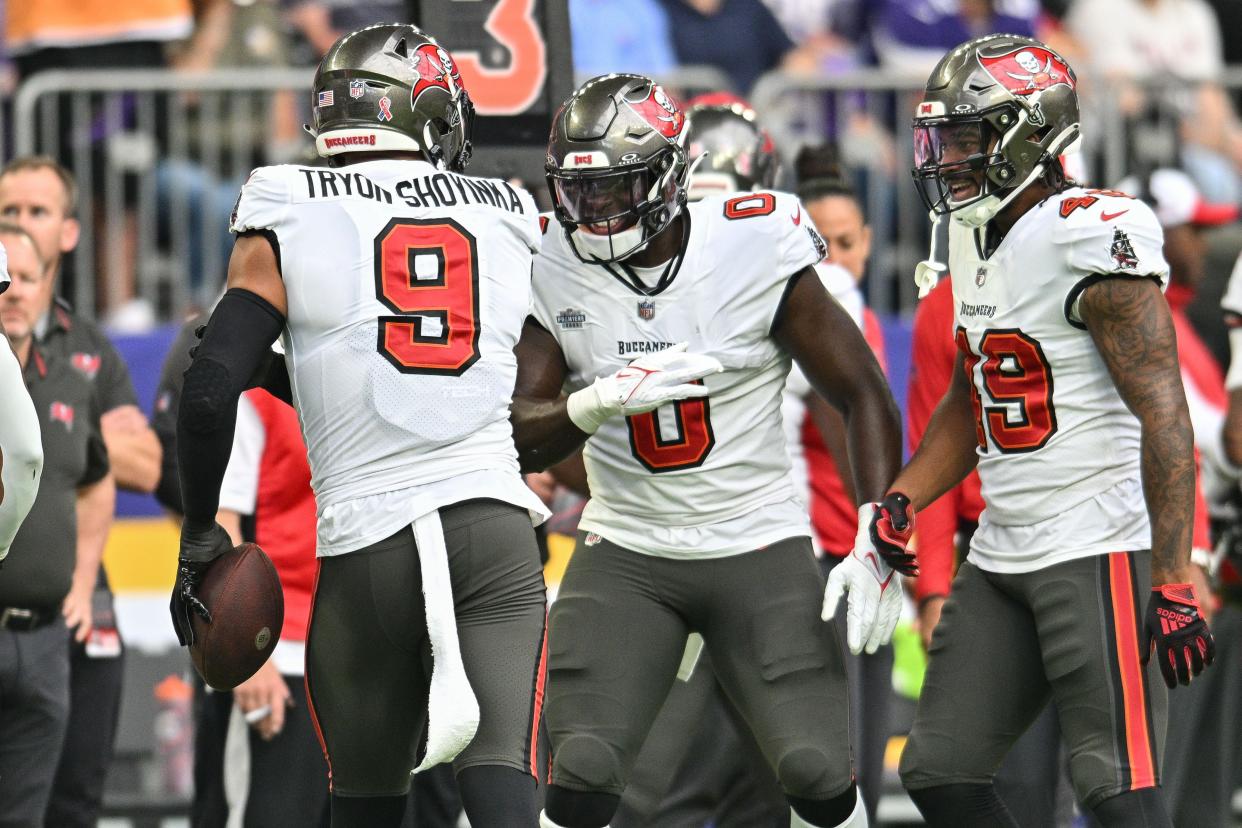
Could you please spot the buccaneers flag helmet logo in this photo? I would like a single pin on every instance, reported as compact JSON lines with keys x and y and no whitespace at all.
{"x":659,"y":110}
{"x":435,"y":69}
{"x":1028,"y":69}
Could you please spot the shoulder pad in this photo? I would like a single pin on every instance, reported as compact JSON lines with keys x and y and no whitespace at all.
{"x":263,"y":200}
{"x":1103,"y":231}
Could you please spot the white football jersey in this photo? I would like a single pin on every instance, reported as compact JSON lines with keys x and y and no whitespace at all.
{"x":1058,"y":449}
{"x":407,"y":289}
{"x":841,"y":285}
{"x":696,"y":477}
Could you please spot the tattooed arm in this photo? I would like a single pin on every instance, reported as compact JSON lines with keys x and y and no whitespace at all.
{"x":1130,"y":322}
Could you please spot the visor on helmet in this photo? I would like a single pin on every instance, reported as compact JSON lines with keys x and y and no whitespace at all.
{"x":601,"y":202}
{"x":952,"y":161}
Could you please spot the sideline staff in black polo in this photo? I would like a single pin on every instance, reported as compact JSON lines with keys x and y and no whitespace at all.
{"x":21,"y":451}
{"x":61,"y":542}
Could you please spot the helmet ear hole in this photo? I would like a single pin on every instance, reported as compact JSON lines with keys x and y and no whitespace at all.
{"x":400,"y":49}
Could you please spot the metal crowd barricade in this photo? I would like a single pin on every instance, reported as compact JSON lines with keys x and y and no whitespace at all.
{"x":867,"y":114}
{"x":159,"y":157}
{"x":1117,"y":143}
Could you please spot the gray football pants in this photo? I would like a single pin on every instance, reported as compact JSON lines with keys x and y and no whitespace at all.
{"x":368,"y":659}
{"x":1006,"y":644}
{"x":616,"y":635}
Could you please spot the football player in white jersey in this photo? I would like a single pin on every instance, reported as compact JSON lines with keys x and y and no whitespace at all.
{"x":399,"y":288}
{"x":1069,"y":401}
{"x":694,"y":523}
{"x":21,"y":447}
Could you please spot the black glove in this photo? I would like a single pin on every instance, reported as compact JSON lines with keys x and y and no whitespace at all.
{"x":199,"y":549}
{"x":1182,"y":640}
{"x":892,"y":527}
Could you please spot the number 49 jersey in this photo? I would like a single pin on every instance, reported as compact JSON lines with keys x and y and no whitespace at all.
{"x":407,"y":291}
{"x":696,"y":477}
{"x":1058,"y":449}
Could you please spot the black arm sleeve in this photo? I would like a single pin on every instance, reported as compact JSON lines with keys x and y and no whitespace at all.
{"x":241,"y":331}
{"x":164,"y":420}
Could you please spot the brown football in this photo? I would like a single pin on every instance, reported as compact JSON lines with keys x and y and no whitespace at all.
{"x":242,"y":591}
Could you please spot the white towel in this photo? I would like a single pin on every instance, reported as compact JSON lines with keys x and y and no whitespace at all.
{"x":690,"y":656}
{"x":452,"y":709}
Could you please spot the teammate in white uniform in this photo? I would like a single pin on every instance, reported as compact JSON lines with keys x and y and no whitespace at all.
{"x":21,"y":447}
{"x":399,"y":286}
{"x":694,"y":522}
{"x":1069,"y":400}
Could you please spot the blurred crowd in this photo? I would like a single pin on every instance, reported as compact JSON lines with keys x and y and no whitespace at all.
{"x":1155,"y":70}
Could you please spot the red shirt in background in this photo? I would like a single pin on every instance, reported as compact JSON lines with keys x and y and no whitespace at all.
{"x":284,"y":513}
{"x":932,"y":359}
{"x":834,"y":516}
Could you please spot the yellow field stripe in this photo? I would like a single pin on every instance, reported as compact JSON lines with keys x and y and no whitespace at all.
{"x":141,"y":555}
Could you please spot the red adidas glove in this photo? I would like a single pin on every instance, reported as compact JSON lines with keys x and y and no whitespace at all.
{"x":892,"y":527}
{"x":1181,"y":637}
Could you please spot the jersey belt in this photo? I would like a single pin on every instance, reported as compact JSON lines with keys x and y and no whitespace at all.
{"x":452,"y":709}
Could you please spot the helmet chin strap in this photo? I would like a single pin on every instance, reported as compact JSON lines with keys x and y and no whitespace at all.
{"x":694,"y":165}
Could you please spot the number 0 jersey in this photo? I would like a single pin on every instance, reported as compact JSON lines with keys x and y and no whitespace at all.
{"x":407,"y":291}
{"x":1058,"y":449}
{"x":696,"y":477}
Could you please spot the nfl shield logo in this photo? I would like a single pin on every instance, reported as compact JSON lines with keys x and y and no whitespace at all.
{"x":357,"y":89}
{"x":646,"y":310}
{"x":981,"y":276}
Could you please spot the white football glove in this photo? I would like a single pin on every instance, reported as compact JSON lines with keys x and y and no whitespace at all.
{"x":646,"y":383}
{"x":874,"y":603}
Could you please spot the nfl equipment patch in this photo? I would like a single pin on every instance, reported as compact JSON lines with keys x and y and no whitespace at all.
{"x":357,"y":89}
{"x":646,"y":310}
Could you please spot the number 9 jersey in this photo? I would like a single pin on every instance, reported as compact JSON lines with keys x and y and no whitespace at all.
{"x":700,"y":477}
{"x":1058,"y":449}
{"x":407,"y":289}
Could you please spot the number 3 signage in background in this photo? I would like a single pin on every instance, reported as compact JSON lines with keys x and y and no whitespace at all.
{"x":510,"y":89}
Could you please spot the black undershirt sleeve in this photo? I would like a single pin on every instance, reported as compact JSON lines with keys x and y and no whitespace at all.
{"x":237,"y":340}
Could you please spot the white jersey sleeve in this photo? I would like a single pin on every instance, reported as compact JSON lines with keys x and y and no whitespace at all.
{"x":1231,"y":307}
{"x":1118,"y":236}
{"x":1231,"y":302}
{"x":264,"y":200}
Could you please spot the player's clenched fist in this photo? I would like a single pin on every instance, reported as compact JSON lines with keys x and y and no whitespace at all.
{"x":890,"y":528}
{"x":645,"y":384}
{"x":1173,"y":625}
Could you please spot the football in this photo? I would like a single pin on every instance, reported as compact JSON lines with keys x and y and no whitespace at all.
{"x":242,"y":591}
